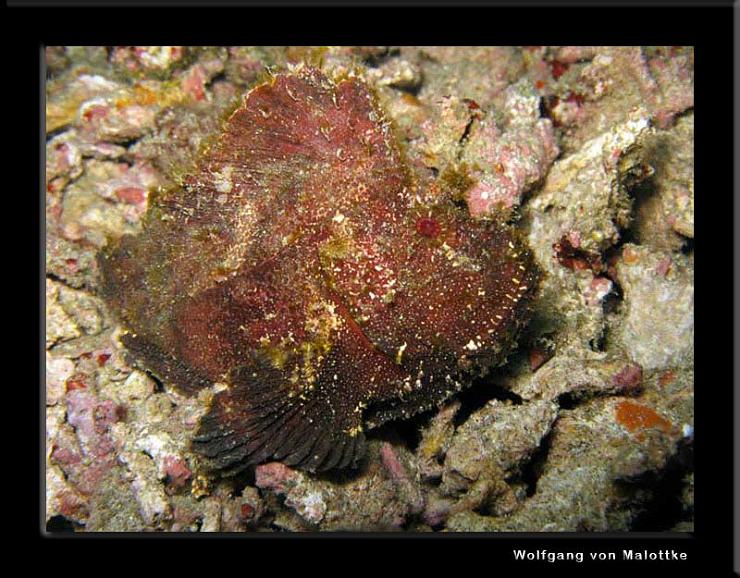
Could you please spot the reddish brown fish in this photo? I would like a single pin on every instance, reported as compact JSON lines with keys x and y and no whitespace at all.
{"x":298,"y":266}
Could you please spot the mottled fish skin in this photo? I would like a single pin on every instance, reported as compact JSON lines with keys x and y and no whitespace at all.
{"x":298,"y":266}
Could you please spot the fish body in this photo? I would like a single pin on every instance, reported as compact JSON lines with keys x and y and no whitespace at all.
{"x":298,"y":266}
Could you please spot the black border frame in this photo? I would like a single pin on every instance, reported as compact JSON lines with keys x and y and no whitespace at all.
{"x":709,"y":29}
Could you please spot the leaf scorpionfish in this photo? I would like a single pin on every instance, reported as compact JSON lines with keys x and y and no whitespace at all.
{"x":299,"y":267}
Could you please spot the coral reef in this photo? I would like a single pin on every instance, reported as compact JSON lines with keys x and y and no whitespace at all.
{"x":587,"y":151}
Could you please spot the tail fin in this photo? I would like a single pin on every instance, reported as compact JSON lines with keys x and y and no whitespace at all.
{"x":256,"y":420}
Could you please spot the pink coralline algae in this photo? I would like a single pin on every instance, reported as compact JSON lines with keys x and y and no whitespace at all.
{"x":507,"y":162}
{"x":177,"y":471}
{"x":629,"y":377}
{"x":298,"y":266}
{"x":86,"y":450}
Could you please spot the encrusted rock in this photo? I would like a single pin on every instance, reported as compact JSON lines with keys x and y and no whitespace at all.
{"x":657,"y":286}
{"x":591,"y":450}
{"x":501,"y":435}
